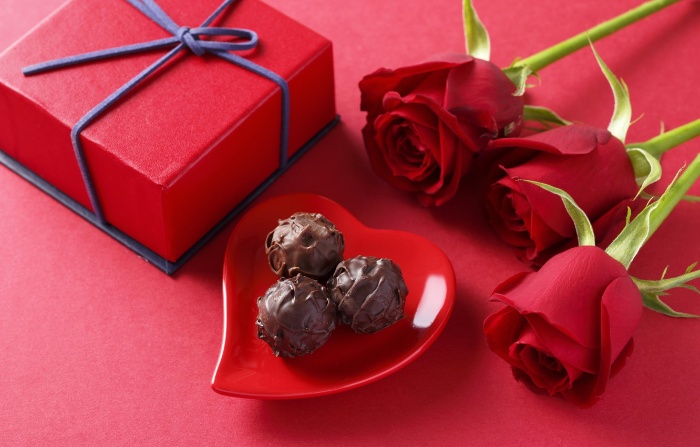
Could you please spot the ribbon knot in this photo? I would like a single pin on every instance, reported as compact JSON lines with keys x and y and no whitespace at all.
{"x":185,"y":36}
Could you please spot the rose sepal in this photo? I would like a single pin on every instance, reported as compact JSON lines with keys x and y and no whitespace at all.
{"x":645,"y":156}
{"x":626,"y":245}
{"x":544,"y":116}
{"x":584,"y":229}
{"x":519,"y":73}
{"x":652,"y":291}
{"x":647,"y":168}
{"x":477,"y":38}
{"x":622,"y":113}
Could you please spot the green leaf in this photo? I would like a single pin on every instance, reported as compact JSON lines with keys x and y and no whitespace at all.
{"x":647,"y":168}
{"x":544,"y":116}
{"x":654,"y":303}
{"x":477,"y":38}
{"x":622,"y":114}
{"x":693,"y":199}
{"x":518,"y":74}
{"x":584,"y":229}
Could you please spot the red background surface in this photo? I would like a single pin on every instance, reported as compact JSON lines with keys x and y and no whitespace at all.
{"x":97,"y":347}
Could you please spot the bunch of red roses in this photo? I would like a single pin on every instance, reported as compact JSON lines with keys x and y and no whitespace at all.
{"x":546,"y":192}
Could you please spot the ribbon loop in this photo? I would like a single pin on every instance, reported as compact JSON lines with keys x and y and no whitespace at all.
{"x":246,"y":39}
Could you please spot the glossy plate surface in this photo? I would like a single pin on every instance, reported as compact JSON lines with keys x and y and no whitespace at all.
{"x":247,"y":367}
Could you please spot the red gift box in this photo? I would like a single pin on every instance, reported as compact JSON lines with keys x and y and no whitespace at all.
{"x":190,"y":143}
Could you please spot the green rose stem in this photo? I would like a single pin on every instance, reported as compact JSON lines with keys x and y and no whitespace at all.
{"x":552,"y":54}
{"x":668,"y":140}
{"x":673,"y":195}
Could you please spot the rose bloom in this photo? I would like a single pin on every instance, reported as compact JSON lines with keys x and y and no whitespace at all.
{"x":588,"y":163}
{"x":567,"y":328}
{"x":425,"y":122}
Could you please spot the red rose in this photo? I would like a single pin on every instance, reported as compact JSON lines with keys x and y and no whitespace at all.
{"x":425,"y":122}
{"x":588,"y":163}
{"x":567,"y":328}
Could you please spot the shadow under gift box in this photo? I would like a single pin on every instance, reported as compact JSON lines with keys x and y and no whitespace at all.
{"x":190,"y":143}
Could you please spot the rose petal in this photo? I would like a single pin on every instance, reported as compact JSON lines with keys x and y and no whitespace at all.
{"x":466,"y":136}
{"x":621,"y":310}
{"x":489,"y":90}
{"x":508,"y":223}
{"x":581,"y":273}
{"x":522,"y":377}
{"x":406,"y":146}
{"x":622,"y":358}
{"x":542,"y":375}
{"x":401,"y":80}
{"x":622,"y":305}
{"x":431,"y":86}
{"x":575,"y":139}
{"x":576,"y":357}
{"x":502,"y":329}
{"x":414,"y":112}
{"x":554,"y":222}
{"x":430,"y":160}
{"x":551,"y":381}
{"x":582,"y":393}
{"x":379,"y":165}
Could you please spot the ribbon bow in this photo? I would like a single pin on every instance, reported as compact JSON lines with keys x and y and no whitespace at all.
{"x":183,"y":38}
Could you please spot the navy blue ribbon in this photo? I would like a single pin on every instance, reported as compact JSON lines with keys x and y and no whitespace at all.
{"x":183,"y":38}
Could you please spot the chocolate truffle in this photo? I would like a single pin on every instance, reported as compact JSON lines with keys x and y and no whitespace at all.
{"x":295,"y":316}
{"x":370,"y":293}
{"x":305,"y":243}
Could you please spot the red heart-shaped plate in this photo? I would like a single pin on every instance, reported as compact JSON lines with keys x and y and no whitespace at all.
{"x":247,"y":367}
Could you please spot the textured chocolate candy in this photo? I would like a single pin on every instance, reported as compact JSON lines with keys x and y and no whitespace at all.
{"x":305,"y":243}
{"x":370,"y":293}
{"x":295,"y":316}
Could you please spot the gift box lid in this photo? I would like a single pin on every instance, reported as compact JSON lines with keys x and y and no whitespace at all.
{"x":216,"y":89}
